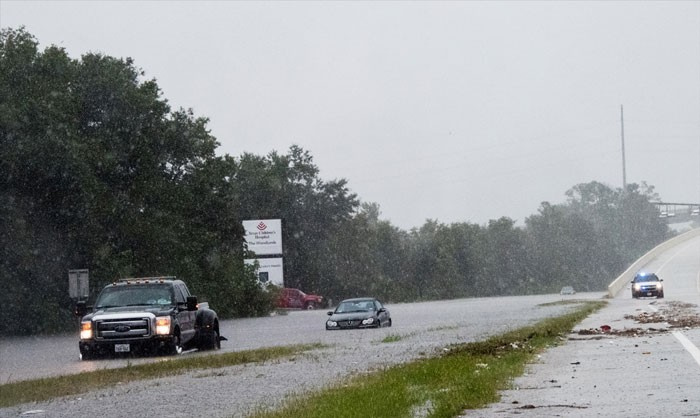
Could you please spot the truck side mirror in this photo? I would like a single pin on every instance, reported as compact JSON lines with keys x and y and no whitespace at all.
{"x":80,"y":309}
{"x":191,"y":303}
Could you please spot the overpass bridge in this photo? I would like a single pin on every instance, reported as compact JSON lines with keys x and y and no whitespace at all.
{"x":678,"y":212}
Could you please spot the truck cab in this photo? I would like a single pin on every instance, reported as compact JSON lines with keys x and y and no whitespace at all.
{"x":146,"y":315}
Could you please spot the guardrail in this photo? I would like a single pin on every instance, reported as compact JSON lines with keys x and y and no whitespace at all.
{"x":626,"y":277}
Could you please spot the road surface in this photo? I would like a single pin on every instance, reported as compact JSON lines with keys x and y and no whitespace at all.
{"x":635,"y":370}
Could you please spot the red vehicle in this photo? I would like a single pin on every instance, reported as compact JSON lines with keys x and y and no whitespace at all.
{"x":296,"y":299}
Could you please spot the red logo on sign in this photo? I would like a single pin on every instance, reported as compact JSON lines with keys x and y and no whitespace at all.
{"x":262,"y":226}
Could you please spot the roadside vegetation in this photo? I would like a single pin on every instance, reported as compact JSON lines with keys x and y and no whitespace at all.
{"x":392,"y":338}
{"x":467,"y":376}
{"x":38,"y":390}
{"x":100,"y":173}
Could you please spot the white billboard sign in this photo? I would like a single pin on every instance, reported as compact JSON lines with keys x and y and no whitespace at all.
{"x":270,"y":270}
{"x":264,"y":236}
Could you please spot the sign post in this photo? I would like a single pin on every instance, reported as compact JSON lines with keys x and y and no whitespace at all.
{"x":79,"y":284}
{"x":264,"y":238}
{"x":269,"y":270}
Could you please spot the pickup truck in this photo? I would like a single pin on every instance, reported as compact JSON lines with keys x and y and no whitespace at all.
{"x":148,"y":315}
{"x":296,"y":299}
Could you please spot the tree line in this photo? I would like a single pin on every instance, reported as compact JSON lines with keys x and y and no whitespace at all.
{"x":99,"y":172}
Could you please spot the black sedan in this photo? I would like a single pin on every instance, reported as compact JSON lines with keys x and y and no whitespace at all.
{"x":359,"y":313}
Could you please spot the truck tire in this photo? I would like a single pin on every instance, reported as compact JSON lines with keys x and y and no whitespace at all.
{"x":210,"y":340}
{"x":87,"y":355}
{"x":174,"y":347}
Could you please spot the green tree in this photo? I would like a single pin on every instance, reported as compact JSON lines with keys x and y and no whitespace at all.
{"x":505,"y":258}
{"x":560,"y":246}
{"x":313,"y":211}
{"x":101,"y":174}
{"x":626,"y":222}
{"x":591,"y":239}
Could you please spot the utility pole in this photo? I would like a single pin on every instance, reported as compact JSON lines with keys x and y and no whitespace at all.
{"x":622,"y":136}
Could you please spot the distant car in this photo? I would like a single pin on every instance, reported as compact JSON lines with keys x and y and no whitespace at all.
{"x":647,"y":284}
{"x":567,"y":290}
{"x":296,"y":299}
{"x":359,"y":313}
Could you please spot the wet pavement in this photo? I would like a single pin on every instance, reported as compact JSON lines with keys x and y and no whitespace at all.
{"x":633,"y":358}
{"x":632,"y":370}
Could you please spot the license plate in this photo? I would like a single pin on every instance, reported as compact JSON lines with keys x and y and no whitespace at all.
{"x":648,"y":293}
{"x":122,"y":348}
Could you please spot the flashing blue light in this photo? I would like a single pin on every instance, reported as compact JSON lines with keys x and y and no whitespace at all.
{"x":642,"y":273}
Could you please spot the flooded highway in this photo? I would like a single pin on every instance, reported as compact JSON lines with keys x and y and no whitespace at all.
{"x":35,"y":357}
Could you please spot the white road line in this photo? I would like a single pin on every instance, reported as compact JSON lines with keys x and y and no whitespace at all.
{"x":690,"y":347}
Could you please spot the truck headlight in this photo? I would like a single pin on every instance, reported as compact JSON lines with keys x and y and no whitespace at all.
{"x":86,"y":330}
{"x":163,"y":325}
{"x":636,"y":286}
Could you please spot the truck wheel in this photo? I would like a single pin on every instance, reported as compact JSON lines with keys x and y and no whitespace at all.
{"x":175,"y":346}
{"x":210,"y":340}
{"x":86,"y":355}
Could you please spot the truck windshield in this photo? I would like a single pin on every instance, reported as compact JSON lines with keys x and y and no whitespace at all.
{"x":134,"y":296}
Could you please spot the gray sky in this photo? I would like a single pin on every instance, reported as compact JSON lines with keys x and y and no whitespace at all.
{"x":455,"y":111}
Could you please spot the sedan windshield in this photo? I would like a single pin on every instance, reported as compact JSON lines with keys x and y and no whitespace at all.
{"x":361,"y":306}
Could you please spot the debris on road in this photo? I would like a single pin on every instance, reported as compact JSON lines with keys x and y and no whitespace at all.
{"x":675,"y":314}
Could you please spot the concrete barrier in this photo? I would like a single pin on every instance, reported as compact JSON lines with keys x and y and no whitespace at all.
{"x":626,"y":277}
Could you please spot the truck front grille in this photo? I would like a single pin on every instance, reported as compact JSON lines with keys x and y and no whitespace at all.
{"x":109,"y":329}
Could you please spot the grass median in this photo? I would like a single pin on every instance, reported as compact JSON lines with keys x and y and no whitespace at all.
{"x":467,"y":376}
{"x":37,"y":390}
